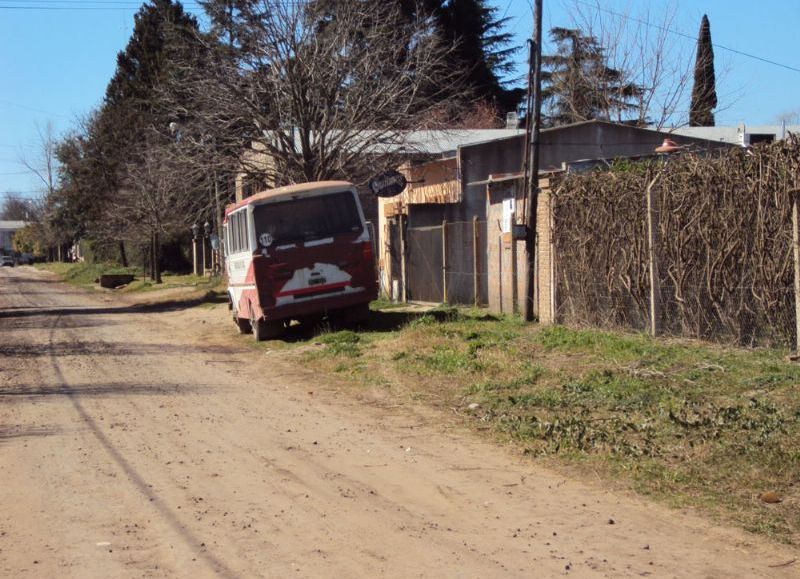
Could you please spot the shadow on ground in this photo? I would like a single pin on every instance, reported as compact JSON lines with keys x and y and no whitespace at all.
{"x":380,"y":321}
{"x":22,"y":391}
{"x":166,"y":306}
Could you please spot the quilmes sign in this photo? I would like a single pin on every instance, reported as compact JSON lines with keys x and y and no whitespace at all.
{"x":387,"y":184}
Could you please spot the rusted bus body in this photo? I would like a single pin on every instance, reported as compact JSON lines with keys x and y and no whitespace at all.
{"x":298,"y":253}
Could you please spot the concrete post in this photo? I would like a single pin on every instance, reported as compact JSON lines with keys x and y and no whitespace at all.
{"x":475,"y":263}
{"x":796,"y":248}
{"x":444,"y":261}
{"x":652,"y":240}
{"x":195,"y":258}
{"x":205,"y":262}
{"x":403,"y":257}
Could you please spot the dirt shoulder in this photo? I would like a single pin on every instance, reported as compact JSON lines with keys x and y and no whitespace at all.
{"x":159,"y":443}
{"x":688,"y":423}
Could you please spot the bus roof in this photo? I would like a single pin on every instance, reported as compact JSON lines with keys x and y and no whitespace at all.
{"x":297,"y":190}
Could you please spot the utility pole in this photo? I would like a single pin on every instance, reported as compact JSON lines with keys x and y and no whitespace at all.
{"x":531,"y":177}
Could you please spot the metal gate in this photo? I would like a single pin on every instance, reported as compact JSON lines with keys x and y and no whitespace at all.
{"x":425,"y":264}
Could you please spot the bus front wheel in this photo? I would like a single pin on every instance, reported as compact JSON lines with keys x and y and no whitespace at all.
{"x":243,"y":325}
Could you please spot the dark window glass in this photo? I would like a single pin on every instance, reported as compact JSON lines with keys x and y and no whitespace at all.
{"x":239,"y":235}
{"x":243,"y":229}
{"x":308,"y":218}
{"x":761,"y":138}
{"x":234,"y":235}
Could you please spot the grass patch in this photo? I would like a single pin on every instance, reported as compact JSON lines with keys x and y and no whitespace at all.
{"x":684,"y":421}
{"x":85,"y":274}
{"x":343,"y":343}
{"x":82,"y":273}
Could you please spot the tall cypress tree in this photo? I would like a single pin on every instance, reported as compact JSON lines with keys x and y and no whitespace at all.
{"x":704,"y":91}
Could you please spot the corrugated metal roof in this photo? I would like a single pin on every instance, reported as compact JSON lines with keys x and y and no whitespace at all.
{"x":12,"y":224}
{"x":730,"y":134}
{"x":438,"y":142}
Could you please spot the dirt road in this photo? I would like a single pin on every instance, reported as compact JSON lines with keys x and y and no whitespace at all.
{"x":158,"y":444}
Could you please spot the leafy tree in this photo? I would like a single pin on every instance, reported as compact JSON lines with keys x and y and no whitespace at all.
{"x":704,"y":92}
{"x":29,"y":239}
{"x":97,"y":157}
{"x":579,"y":84}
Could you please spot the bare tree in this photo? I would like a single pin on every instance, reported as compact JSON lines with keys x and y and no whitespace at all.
{"x":315,"y":95}
{"x":790,"y":117}
{"x":641,"y":46}
{"x":43,"y":164}
{"x":157,"y":200}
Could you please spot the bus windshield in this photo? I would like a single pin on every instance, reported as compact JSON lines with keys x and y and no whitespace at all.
{"x":308,"y":218}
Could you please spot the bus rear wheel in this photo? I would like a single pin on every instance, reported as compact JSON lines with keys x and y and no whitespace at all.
{"x":264,"y":330}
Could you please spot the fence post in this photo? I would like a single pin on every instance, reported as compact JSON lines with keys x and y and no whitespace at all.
{"x":652,"y":237}
{"x":403,"y":268}
{"x":475,"y":264}
{"x":796,"y":246}
{"x":444,"y":260}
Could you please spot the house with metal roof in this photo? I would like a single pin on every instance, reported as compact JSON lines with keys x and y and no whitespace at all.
{"x":742,"y":135}
{"x":7,"y":231}
{"x":435,"y":237}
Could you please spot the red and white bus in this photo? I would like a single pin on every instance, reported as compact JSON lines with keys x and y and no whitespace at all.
{"x":297,"y":253}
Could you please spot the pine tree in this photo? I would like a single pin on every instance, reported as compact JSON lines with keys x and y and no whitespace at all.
{"x":132,"y":116}
{"x":482,"y":50}
{"x":132,"y":97}
{"x":579,"y":85}
{"x":704,"y":92}
{"x":481,"y":47}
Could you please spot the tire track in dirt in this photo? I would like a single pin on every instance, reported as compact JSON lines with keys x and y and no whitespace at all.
{"x":134,"y":478}
{"x":150,"y":499}
{"x":280,"y":473}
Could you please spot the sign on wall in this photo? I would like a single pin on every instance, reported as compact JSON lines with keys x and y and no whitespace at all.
{"x":509,"y":206}
{"x":388,"y":184}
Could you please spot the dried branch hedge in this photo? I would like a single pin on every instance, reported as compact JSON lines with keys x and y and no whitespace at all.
{"x":723,"y":248}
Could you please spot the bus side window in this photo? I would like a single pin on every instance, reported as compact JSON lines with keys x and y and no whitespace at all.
{"x":246,"y":227}
{"x":243,"y":231}
{"x":235,"y":224}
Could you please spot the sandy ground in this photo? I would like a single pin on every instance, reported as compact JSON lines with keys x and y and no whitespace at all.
{"x":159,"y":444}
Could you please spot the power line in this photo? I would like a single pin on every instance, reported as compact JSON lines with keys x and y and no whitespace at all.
{"x":84,"y":8}
{"x":58,"y":5}
{"x":32,"y":109}
{"x":689,"y":36}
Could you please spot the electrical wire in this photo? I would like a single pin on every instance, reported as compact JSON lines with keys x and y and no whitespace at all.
{"x":688,"y":36}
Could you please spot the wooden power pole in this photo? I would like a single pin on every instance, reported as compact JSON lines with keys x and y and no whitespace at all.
{"x":531,"y":177}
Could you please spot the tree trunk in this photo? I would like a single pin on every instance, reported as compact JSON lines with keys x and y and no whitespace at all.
{"x":152,"y":253}
{"x":123,"y":257}
{"x":156,"y":252}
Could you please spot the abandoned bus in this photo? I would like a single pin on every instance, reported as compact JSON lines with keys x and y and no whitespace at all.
{"x":297,"y":253}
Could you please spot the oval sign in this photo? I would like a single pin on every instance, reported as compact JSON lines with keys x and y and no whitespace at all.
{"x":388,"y":184}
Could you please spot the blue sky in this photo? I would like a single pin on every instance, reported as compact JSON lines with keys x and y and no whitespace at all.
{"x":55,"y":62}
